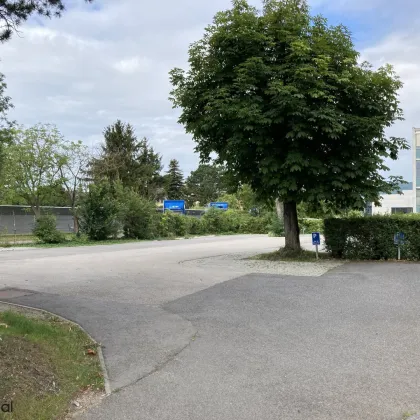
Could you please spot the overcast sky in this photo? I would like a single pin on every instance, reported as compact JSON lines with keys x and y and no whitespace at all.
{"x":111,"y":60}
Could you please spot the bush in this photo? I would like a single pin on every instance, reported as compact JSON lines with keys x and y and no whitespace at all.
{"x":307,"y":225}
{"x":172,"y":224}
{"x":45,"y":229}
{"x":99,"y":212}
{"x":276,"y":226}
{"x":214,"y":221}
{"x":372,"y":237}
{"x":195,"y":225}
{"x":138,"y":217}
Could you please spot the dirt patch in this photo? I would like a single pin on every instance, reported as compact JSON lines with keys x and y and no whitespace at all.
{"x":84,"y":401}
{"x":49,"y":367}
{"x":25,"y":368}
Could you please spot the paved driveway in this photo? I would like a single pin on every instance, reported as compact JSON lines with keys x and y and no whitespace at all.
{"x":185,"y":341}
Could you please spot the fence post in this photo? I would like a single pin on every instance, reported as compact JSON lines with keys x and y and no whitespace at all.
{"x":14,"y":225}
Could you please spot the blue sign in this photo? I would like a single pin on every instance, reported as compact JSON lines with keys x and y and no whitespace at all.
{"x":219,"y":205}
{"x":174,"y":205}
{"x":399,"y":238}
{"x":316,"y":238}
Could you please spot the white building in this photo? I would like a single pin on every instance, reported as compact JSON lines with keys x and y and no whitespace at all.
{"x":409,"y":200}
{"x":416,"y":168}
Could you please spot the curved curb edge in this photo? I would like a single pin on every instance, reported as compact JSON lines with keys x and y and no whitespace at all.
{"x":99,"y":346}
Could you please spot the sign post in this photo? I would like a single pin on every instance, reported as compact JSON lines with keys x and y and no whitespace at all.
{"x":316,"y":240}
{"x":399,"y":239}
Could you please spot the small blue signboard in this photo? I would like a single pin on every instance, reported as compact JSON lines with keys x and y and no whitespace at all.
{"x":316,"y":238}
{"x":399,"y":238}
{"x":219,"y":205}
{"x":177,"y":206}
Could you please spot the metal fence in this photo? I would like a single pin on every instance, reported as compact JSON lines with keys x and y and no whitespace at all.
{"x":20,"y":220}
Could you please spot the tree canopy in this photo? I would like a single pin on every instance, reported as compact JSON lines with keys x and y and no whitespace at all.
{"x":5,"y":124}
{"x":175,"y":181}
{"x":14,"y":12}
{"x":205,"y":184}
{"x":32,"y":165}
{"x":280,"y":97}
{"x":124,"y":158}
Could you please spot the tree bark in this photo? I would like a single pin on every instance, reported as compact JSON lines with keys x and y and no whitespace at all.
{"x":37,"y":211}
{"x":75,"y":225}
{"x":291,"y":226}
{"x":280,"y":209}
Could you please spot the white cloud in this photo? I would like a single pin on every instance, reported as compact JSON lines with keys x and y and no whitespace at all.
{"x":133,"y":64}
{"x":401,"y":50}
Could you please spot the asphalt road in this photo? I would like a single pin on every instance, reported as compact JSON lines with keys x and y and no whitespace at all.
{"x":209,"y":343}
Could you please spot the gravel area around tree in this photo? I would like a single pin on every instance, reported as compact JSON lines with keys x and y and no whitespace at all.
{"x":239,"y":262}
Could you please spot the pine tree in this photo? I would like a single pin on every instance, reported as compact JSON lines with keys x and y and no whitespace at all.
{"x":14,"y":12}
{"x":123,"y":158}
{"x":175,"y":181}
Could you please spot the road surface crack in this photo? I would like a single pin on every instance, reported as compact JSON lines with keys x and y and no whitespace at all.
{"x":160,"y":365}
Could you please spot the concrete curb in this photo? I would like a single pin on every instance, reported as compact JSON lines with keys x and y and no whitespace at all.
{"x":99,"y":346}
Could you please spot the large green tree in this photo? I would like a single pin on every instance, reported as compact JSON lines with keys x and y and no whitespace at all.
{"x":32,"y":165}
{"x":14,"y":12}
{"x":5,"y":124}
{"x":126,"y":159}
{"x":72,"y":171}
{"x":174,"y":181}
{"x":205,"y":184}
{"x":282,"y":100}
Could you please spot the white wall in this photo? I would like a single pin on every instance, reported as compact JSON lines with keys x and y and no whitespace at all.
{"x":407,"y":199}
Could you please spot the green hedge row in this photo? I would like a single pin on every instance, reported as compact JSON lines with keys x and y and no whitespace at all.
{"x":214,"y":221}
{"x":372,"y":238}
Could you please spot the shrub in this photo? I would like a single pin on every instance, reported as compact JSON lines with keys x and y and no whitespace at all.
{"x":99,"y":212}
{"x":45,"y":229}
{"x":307,"y":225}
{"x":195,"y":225}
{"x":275,"y":226}
{"x":214,"y":221}
{"x":138,"y":216}
{"x":172,"y":224}
{"x":372,"y":237}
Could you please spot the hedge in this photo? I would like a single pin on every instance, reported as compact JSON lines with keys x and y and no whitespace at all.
{"x":372,"y":238}
{"x":214,"y":221}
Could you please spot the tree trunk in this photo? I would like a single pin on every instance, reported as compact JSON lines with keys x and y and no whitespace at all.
{"x":37,"y":211}
{"x":75,"y":225}
{"x":291,"y":226}
{"x":280,"y":209}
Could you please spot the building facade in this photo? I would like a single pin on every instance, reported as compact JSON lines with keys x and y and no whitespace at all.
{"x":409,"y":200}
{"x":416,"y":168}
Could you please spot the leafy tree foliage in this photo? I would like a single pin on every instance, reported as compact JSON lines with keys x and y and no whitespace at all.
{"x":45,"y":229}
{"x":175,"y":181}
{"x":280,"y":98}
{"x":32,"y":164}
{"x":205,"y":184}
{"x":124,"y":158}
{"x":138,"y":215}
{"x":5,"y":124}
{"x":72,"y":171}
{"x":99,"y":212}
{"x":14,"y":12}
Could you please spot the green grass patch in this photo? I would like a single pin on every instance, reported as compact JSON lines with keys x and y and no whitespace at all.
{"x":408,"y":414}
{"x":289,"y":255}
{"x":44,"y":365}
